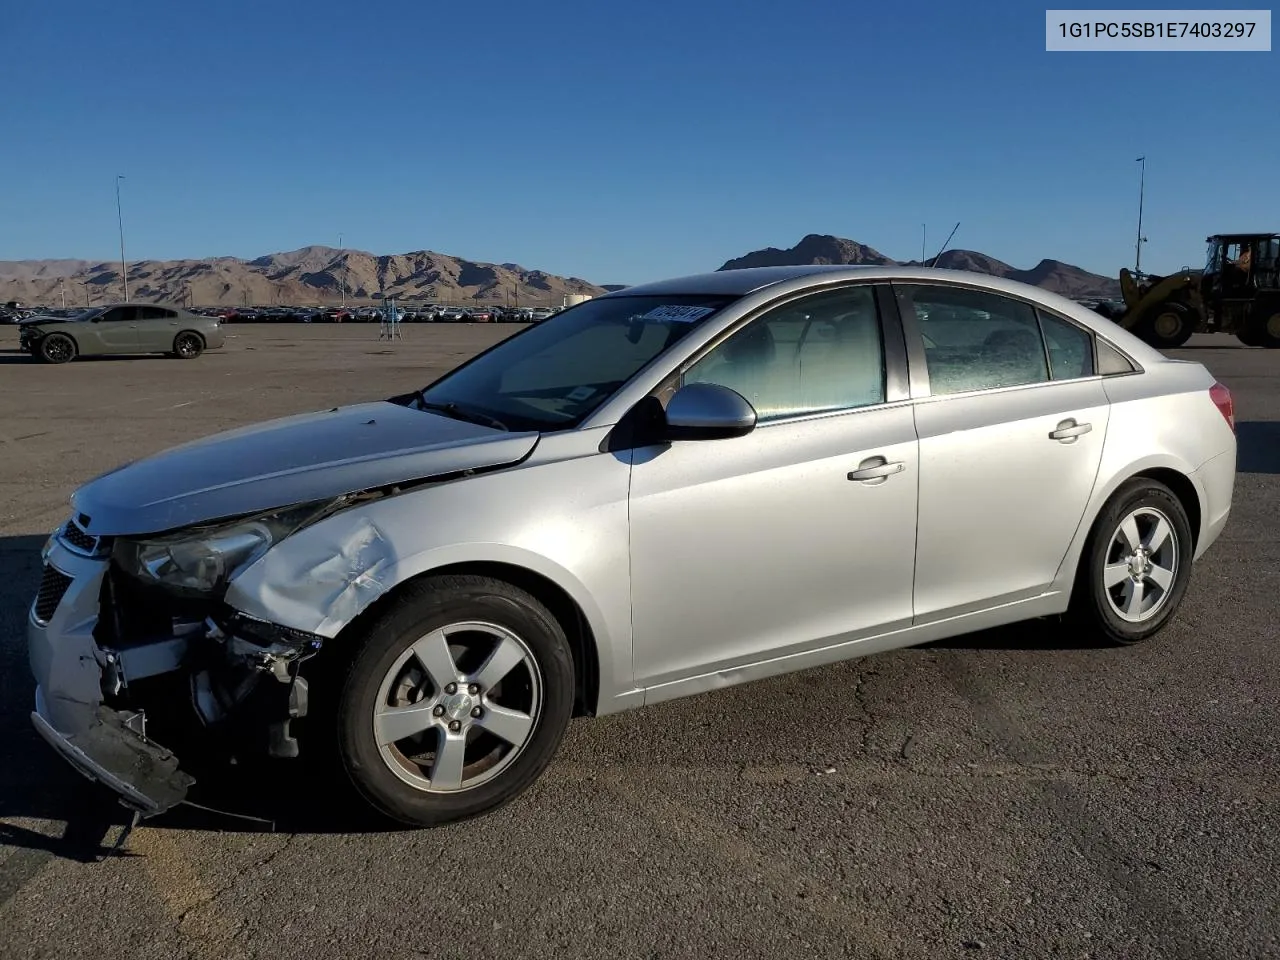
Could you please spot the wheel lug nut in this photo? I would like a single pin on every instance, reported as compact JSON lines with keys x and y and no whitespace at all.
{"x":473,"y":689}
{"x":476,"y":712}
{"x":437,"y":711}
{"x":451,"y":688}
{"x":455,"y":726}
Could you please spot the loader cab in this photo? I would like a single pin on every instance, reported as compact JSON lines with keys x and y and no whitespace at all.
{"x":1241,"y":286}
{"x":1239,"y":265}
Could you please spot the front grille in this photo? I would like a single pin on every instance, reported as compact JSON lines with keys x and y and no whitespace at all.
{"x":53,"y":586}
{"x":79,"y":539}
{"x":74,"y":537}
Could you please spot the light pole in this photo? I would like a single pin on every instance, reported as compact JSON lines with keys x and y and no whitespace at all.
{"x":924,"y":242}
{"x":1137,"y":248}
{"x":344,"y":274}
{"x":124,"y":265}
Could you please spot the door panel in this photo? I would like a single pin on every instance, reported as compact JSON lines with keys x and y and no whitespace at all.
{"x":117,"y":330}
{"x":760,"y":546}
{"x":156,"y":329}
{"x":1000,"y":500}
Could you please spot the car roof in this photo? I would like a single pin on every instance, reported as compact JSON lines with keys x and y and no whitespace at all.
{"x":729,"y":282}
{"x":795,"y":279}
{"x":752,"y":279}
{"x":138,"y":303}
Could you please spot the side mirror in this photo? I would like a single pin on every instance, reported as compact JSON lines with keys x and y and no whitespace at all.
{"x":708,"y":411}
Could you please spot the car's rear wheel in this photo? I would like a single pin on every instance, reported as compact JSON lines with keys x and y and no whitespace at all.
{"x":188,"y":345}
{"x":455,"y":701}
{"x":1136,"y":564}
{"x":57,"y":348}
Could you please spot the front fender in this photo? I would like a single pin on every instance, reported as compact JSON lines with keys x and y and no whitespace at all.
{"x":323,"y":577}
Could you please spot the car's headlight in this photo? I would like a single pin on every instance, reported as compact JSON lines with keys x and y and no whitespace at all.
{"x":204,"y":560}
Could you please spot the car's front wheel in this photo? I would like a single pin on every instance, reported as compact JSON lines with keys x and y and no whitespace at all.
{"x":57,"y":348}
{"x":1136,"y":564}
{"x":455,"y":701}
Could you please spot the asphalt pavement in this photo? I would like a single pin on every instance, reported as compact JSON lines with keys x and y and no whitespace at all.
{"x":1016,"y":793}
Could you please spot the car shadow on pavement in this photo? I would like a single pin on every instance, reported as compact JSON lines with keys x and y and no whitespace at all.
{"x":1047,"y":633}
{"x":78,"y":820}
{"x":1258,"y":446}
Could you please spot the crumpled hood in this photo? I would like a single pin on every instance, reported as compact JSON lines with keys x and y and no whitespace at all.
{"x":290,"y":460}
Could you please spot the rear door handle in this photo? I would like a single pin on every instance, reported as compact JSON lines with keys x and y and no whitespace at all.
{"x":1068,"y":430}
{"x":876,"y":468}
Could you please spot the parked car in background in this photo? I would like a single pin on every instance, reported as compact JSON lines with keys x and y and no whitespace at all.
{"x":123,"y":328}
{"x":452,"y":315}
{"x":662,"y":491}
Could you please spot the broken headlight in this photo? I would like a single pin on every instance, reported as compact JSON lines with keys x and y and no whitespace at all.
{"x":203,"y":560}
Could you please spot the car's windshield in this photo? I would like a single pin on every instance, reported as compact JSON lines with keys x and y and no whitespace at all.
{"x":554,"y":375}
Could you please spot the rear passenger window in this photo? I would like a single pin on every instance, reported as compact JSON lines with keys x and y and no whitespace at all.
{"x":975,"y":340}
{"x":1070,"y":348}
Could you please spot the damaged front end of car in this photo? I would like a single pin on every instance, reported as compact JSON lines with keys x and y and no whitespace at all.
{"x":127,"y":633}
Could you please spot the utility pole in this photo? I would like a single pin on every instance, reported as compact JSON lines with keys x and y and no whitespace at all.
{"x":124,"y":264}
{"x":924,"y":242}
{"x":1137,"y":249}
{"x":63,"y":284}
{"x":344,"y":273}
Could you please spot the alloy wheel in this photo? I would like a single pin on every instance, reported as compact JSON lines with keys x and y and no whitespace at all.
{"x":458,"y":707}
{"x":1141,"y":565}
{"x":58,"y":349}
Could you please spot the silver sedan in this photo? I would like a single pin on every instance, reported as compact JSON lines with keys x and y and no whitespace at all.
{"x":662,"y":491}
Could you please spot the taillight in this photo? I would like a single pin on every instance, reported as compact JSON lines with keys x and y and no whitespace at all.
{"x":1221,"y":398}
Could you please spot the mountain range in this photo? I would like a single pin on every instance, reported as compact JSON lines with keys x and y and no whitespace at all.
{"x":312,"y":275}
{"x":1053,"y":275}
{"x":316,"y":275}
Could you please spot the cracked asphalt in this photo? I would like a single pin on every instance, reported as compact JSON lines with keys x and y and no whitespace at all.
{"x":1015,"y":793}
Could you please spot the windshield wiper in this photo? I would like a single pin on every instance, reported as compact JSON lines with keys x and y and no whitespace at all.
{"x":460,"y":413}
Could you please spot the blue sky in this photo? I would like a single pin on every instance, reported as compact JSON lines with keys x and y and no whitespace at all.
{"x":616,"y":144}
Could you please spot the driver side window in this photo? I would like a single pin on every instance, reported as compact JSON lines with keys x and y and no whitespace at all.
{"x":120,"y":315}
{"x":819,"y":354}
{"x":974,"y":340}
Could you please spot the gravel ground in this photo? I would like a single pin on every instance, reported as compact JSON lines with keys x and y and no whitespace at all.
{"x":1006,"y":794}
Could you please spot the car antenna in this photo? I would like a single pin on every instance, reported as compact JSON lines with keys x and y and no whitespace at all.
{"x":934,"y":261}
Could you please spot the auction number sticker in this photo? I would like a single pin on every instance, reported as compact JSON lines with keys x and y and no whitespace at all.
{"x":678,"y":314}
{"x":1123,"y":31}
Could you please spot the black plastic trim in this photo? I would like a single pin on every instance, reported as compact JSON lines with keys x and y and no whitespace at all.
{"x":917,"y":365}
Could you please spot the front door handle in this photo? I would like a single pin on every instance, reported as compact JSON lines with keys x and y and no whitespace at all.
{"x":876,"y":468}
{"x":1068,"y":430}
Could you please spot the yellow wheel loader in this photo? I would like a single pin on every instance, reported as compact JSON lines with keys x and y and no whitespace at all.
{"x":1237,"y":292}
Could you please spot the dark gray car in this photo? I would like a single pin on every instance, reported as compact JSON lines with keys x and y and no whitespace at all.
{"x":122,"y":328}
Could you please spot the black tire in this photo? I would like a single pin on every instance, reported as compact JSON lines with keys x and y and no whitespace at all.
{"x":1167,"y":326}
{"x":1092,"y":604}
{"x":188,"y":345}
{"x":424,"y":606}
{"x":57,"y":348}
{"x":1267,"y":331}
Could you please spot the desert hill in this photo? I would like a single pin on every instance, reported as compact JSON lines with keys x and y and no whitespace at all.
{"x":1063,"y":278}
{"x":311,"y":275}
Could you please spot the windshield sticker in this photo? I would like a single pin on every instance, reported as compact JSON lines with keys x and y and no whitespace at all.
{"x":678,"y":314}
{"x":580,"y":394}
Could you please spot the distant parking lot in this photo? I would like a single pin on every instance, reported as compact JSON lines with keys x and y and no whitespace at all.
{"x":1016,"y":793}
